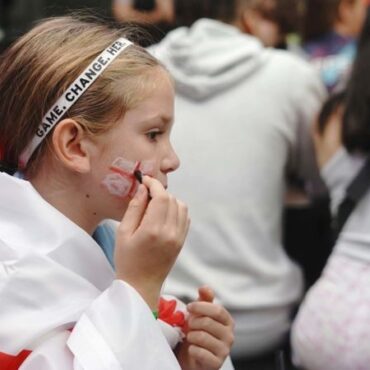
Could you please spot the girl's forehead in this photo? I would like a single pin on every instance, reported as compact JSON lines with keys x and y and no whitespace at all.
{"x":158,"y":77}
{"x":148,"y":85}
{"x":155,"y":106}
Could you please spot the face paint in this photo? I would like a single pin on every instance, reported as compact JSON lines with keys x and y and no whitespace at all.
{"x":121,"y":181}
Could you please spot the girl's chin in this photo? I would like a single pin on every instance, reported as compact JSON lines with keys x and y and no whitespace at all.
{"x":118,"y":210}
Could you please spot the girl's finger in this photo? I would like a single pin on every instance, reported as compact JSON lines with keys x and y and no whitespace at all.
{"x":208,"y":342}
{"x":156,"y":213}
{"x":205,"y":358}
{"x":205,"y":294}
{"x":212,"y":327}
{"x":155,"y":187}
{"x":172,"y":212}
{"x":212,"y":310}
{"x":183,"y":221}
{"x":135,"y":212}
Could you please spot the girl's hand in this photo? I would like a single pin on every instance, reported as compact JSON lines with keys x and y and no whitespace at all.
{"x":149,"y":239}
{"x":210,"y":336}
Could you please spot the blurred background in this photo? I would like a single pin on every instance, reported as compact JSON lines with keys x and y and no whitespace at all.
{"x":17,"y":16}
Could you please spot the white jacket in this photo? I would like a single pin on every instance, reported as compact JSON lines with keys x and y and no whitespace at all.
{"x":243,"y":114}
{"x":59,"y":299}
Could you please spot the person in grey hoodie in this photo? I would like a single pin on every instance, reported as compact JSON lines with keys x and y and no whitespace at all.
{"x":243,"y":116}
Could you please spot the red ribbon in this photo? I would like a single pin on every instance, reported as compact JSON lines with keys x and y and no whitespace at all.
{"x":9,"y":362}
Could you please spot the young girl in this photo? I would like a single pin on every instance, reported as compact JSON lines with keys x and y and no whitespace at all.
{"x":85,"y":117}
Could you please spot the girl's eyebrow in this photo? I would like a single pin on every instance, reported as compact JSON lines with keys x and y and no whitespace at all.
{"x":162,"y":119}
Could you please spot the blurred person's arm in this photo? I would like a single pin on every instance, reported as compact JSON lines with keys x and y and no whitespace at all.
{"x":303,"y":164}
{"x":327,"y":138}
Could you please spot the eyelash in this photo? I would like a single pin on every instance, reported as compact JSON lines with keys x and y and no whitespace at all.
{"x":152,"y":135}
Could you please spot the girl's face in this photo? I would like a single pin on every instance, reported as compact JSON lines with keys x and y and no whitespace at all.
{"x":141,"y":138}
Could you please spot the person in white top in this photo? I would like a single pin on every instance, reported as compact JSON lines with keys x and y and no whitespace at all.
{"x":85,"y":117}
{"x":331,"y":330}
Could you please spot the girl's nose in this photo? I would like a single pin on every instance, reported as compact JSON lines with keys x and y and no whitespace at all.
{"x":171,"y":162}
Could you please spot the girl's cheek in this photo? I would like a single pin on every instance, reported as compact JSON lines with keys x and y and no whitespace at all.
{"x":120,"y":180}
{"x":118,"y":185}
{"x":147,"y":167}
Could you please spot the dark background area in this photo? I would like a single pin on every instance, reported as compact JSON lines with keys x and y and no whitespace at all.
{"x":18,"y":16}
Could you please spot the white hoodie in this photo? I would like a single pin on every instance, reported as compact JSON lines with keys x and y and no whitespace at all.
{"x":242,"y":122}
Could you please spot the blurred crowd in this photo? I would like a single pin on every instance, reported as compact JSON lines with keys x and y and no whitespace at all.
{"x":323,"y":32}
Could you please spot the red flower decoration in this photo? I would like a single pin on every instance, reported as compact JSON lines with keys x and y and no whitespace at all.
{"x":167,"y":313}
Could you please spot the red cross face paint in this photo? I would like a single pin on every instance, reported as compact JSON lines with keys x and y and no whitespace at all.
{"x":121,"y":180}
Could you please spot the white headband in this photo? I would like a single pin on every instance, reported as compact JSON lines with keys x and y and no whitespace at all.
{"x":71,"y":95}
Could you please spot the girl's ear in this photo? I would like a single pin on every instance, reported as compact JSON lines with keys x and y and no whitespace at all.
{"x":72,"y":146}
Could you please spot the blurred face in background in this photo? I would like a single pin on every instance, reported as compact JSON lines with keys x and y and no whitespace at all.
{"x":271,"y":20}
{"x":265,"y":29}
{"x":351,"y":17}
{"x":359,"y":14}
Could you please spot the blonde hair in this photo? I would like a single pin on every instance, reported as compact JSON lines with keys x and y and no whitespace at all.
{"x":42,"y":64}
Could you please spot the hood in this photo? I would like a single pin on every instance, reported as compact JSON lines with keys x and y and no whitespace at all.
{"x":209,"y":57}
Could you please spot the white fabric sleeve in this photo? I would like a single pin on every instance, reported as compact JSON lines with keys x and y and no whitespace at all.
{"x":227,"y":365}
{"x":117,"y":331}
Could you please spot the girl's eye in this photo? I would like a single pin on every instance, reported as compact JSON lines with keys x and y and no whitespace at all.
{"x":152,"y":135}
